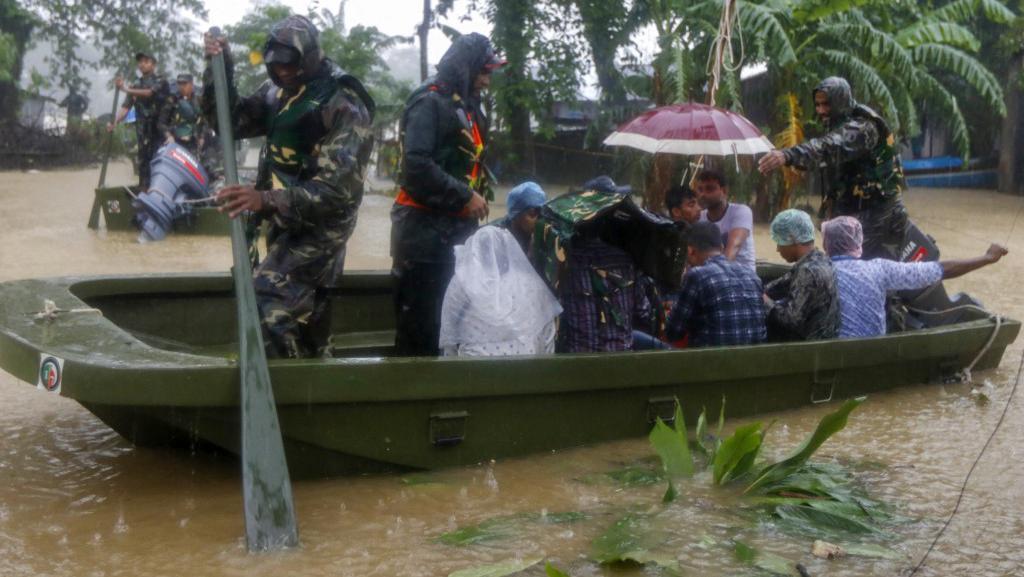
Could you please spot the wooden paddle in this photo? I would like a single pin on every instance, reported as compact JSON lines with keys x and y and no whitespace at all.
{"x":94,"y":215}
{"x":266,"y":487}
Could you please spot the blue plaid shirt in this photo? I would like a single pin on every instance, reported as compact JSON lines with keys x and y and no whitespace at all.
{"x":720,"y":304}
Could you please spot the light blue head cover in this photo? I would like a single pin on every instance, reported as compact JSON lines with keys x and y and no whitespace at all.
{"x":791,"y":227}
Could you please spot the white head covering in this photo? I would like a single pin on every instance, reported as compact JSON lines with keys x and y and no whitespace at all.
{"x":495,"y":295}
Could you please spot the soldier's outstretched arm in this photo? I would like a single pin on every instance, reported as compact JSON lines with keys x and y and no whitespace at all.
{"x":852,"y":140}
{"x":337,"y":188}
{"x":434,"y":188}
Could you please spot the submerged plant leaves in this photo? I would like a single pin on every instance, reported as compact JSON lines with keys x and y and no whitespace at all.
{"x":829,"y":425}
{"x":765,"y":561}
{"x":633,"y":538}
{"x":501,"y":569}
{"x":872,"y":551}
{"x":671,"y":444}
{"x":505,"y":527}
{"x":736,"y":455}
{"x":552,"y":571}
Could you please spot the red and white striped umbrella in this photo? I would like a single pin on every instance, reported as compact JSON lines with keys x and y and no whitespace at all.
{"x":691,"y":129}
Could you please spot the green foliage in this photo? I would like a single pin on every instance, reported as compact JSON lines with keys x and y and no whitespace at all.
{"x":672,"y":446}
{"x":929,"y":32}
{"x":736,"y":455}
{"x":119,"y":28}
{"x":829,"y":425}
{"x":955,"y":61}
{"x":767,"y":562}
{"x":633,"y":539}
{"x":501,"y":569}
{"x":552,"y":571}
{"x":505,"y":527}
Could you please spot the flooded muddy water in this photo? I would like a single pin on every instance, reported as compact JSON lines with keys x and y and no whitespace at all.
{"x":78,"y":500}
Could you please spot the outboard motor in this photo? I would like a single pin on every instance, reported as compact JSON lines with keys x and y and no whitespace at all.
{"x":919,"y":247}
{"x":176,"y":178}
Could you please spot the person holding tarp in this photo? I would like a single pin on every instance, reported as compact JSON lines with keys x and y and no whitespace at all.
{"x":594,"y":247}
{"x":443,"y":182}
{"x":317,"y":122}
{"x":862,"y":175}
{"x":146,"y":97}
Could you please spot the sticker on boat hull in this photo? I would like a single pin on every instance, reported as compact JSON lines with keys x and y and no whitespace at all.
{"x":51,"y":371}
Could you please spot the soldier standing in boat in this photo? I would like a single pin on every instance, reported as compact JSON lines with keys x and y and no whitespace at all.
{"x":862,"y":174}
{"x":444,"y":187}
{"x":146,"y":96}
{"x":317,"y":123}
{"x":181,"y":118}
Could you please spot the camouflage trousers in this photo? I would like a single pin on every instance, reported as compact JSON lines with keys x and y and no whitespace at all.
{"x":292,"y":296}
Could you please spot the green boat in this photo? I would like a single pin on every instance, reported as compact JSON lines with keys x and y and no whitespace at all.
{"x":154,"y":358}
{"x":115,"y":205}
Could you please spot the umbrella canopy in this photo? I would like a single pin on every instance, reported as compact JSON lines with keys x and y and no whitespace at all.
{"x":691,"y":129}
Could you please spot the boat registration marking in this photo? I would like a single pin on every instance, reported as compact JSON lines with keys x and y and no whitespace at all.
{"x":51,"y":372}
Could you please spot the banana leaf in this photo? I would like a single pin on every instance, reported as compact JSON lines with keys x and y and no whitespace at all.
{"x":829,"y":425}
{"x":736,"y":455}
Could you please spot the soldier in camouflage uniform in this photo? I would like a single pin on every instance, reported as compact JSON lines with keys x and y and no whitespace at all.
{"x":317,"y":122}
{"x":863,"y":176}
{"x":181,"y":119}
{"x":443,"y":182}
{"x":147,"y":96}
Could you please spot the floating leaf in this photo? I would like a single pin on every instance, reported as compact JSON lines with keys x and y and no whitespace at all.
{"x":829,"y":425}
{"x":636,"y":476}
{"x":632,"y":539}
{"x":702,"y":432}
{"x":419,"y":479}
{"x":765,"y":561}
{"x":505,"y":527}
{"x":736,"y":455}
{"x":813,"y":519}
{"x":497,"y":569}
{"x":552,"y":571}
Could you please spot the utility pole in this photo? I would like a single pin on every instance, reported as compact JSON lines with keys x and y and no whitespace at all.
{"x":423,"y":30}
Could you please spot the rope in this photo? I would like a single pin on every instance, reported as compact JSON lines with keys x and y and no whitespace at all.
{"x":50,"y":311}
{"x":964,"y":376}
{"x":209,"y":199}
{"x":963,"y":488}
{"x":721,"y":46}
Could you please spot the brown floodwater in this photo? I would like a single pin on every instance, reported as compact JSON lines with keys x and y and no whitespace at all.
{"x":78,"y":500}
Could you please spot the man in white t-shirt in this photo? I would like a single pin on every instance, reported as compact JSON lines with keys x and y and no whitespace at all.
{"x":736,"y":221}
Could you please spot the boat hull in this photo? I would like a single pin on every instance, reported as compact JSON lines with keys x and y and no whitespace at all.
{"x":157,"y":367}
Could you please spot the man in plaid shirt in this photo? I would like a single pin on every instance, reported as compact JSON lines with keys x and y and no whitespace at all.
{"x":721,"y":301}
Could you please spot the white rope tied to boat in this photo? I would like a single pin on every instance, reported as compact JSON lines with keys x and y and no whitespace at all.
{"x":964,"y":375}
{"x":51,"y":311}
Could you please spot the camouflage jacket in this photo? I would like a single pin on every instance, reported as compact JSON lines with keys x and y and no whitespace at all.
{"x":859,"y":155}
{"x":147,"y":110}
{"x":806,"y":301}
{"x":318,"y":143}
{"x":181,"y":117}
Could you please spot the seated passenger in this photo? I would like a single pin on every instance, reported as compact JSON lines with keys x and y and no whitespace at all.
{"x":735,"y":221}
{"x":803,"y":304}
{"x":863,"y":283}
{"x":681,"y":203}
{"x":599,"y":292}
{"x":524,"y":203}
{"x":496,"y":303}
{"x":721,"y":301}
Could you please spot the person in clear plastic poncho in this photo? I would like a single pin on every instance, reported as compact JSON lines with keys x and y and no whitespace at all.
{"x":496,"y":304}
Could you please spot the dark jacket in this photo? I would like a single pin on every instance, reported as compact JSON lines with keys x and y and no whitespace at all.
{"x":438,"y":156}
{"x":862,"y":165}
